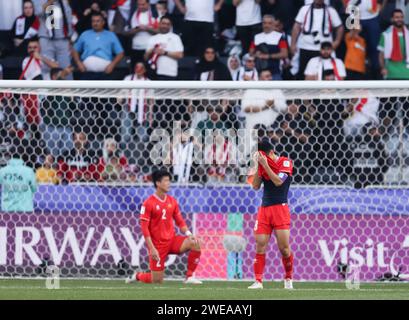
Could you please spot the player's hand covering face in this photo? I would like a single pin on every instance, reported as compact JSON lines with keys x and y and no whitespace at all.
{"x":262,"y":159}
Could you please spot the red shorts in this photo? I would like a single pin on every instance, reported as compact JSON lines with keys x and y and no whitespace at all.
{"x":172,"y":247}
{"x":276,"y":217}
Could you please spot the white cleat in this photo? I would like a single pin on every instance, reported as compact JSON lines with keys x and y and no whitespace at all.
{"x":288,"y":284}
{"x":192,"y":280}
{"x":131,"y":279}
{"x":256,"y":285}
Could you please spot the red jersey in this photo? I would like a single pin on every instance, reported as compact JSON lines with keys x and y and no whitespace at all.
{"x":159,"y":214}
{"x":284,"y":165}
{"x":273,"y":195}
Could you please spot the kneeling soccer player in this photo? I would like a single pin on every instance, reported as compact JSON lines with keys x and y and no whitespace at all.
{"x":275,"y":173}
{"x":156,"y":218}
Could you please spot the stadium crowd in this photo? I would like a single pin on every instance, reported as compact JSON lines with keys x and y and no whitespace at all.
{"x":193,"y":39}
{"x":92,"y":139}
{"x":70,"y":139}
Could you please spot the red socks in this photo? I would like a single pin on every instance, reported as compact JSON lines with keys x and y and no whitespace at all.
{"x":145,"y":277}
{"x":288,"y":266}
{"x":192,"y":262}
{"x":259,"y":263}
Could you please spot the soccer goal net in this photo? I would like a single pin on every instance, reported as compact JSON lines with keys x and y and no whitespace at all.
{"x":93,"y":146}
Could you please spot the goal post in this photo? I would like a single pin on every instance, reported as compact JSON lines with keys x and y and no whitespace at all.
{"x":94,"y":144}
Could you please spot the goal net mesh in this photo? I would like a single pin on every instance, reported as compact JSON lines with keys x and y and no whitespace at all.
{"x":93,"y":151}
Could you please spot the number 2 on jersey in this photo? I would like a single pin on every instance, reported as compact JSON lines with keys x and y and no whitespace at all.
{"x":164,"y":214}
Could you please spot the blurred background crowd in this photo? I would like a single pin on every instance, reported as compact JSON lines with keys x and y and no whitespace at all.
{"x":204,"y":39}
{"x":357,"y":142}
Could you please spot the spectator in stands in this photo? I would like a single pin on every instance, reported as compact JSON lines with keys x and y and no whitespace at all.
{"x":361,"y":112}
{"x":161,"y":8}
{"x":355,"y":55}
{"x":285,"y":64}
{"x":119,"y":14}
{"x":219,"y":154}
{"x":248,"y":21}
{"x":325,"y":67}
{"x":328,"y":153}
{"x":262,"y":106}
{"x":57,"y":116}
{"x":233,"y":63}
{"x":295,"y":124}
{"x":226,"y":18}
{"x":164,"y":50}
{"x":292,"y":132}
{"x":143,"y":26}
{"x":283,"y":10}
{"x":135,"y":119}
{"x":313,"y":25}
{"x":25,"y":27}
{"x":210,"y":68}
{"x":61,"y":74}
{"x":12,"y":126}
{"x":182,"y":158}
{"x":80,"y":163}
{"x":199,"y":24}
{"x":55,"y":42}
{"x":112,"y":162}
{"x":270,"y":48}
{"x":47,"y":173}
{"x":100,"y":51}
{"x":394,"y":50}
{"x":230,"y":111}
{"x":371,"y":31}
{"x":132,"y":173}
{"x":248,"y":72}
{"x":214,"y":118}
{"x":219,"y":159}
{"x":34,"y":66}
{"x":139,"y":74}
{"x":369,"y":158}
{"x":84,"y":10}
{"x":198,"y":111}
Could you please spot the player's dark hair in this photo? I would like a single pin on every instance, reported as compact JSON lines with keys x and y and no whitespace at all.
{"x":266,"y":146}
{"x":158,"y":175}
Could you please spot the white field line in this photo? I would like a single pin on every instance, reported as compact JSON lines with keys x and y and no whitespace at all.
{"x":205,"y":281}
{"x":136,"y":288}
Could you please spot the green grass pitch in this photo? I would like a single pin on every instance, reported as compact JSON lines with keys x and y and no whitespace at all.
{"x":210,"y":290}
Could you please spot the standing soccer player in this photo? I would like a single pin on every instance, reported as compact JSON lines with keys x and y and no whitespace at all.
{"x":156,"y":218}
{"x":275,"y":173}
